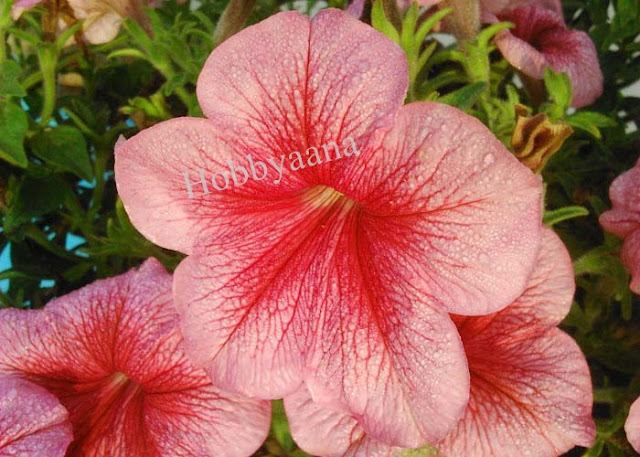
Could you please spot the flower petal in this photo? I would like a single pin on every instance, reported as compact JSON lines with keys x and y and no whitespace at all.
{"x":327,"y":432}
{"x":632,"y":425}
{"x":624,"y":192}
{"x":32,"y":421}
{"x":464,"y":213}
{"x":549,"y":293}
{"x":112,"y":353}
{"x":530,"y":394}
{"x":150,"y":173}
{"x":541,"y":38}
{"x":630,"y":256}
{"x":289,"y":83}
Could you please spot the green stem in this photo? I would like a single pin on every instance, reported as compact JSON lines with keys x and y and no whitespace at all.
{"x":5,"y":21}
{"x":47,"y":55}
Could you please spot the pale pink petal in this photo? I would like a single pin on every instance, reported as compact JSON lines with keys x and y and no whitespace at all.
{"x":630,"y":256}
{"x":530,"y":384}
{"x":623,"y":220}
{"x":632,"y":425}
{"x":530,"y":395}
{"x":33,"y":423}
{"x":624,"y":192}
{"x":326,"y":432}
{"x":549,"y":293}
{"x":112,"y":353}
{"x":150,"y":170}
{"x":289,"y":83}
{"x":541,"y":39}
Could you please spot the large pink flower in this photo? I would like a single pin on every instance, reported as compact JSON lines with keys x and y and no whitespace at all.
{"x":339,"y":272}
{"x":33,"y":423}
{"x":530,"y":385}
{"x":111,"y":353}
{"x":542,"y":39}
{"x":623,"y":220}
{"x":632,"y":425}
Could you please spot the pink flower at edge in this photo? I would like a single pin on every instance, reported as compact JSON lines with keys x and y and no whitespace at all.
{"x":632,"y":425}
{"x":33,"y":423}
{"x":20,"y":6}
{"x":112,"y":354}
{"x":530,"y":386}
{"x":340,"y":274}
{"x":623,"y":220}
{"x":541,"y":38}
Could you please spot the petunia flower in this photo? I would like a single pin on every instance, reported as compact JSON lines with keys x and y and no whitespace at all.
{"x":623,"y":220}
{"x":33,"y":423}
{"x":530,"y":386}
{"x":632,"y":425}
{"x":112,"y":354}
{"x":541,"y":39}
{"x":329,"y":232}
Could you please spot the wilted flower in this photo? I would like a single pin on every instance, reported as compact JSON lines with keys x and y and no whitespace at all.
{"x":33,"y":423}
{"x":536,"y":138}
{"x":632,"y":425}
{"x":540,"y":39}
{"x":111,"y":353}
{"x":530,"y":385}
{"x":341,"y":270}
{"x":102,"y":18}
{"x":623,"y":220}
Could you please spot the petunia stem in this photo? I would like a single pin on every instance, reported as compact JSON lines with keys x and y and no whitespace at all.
{"x":47,"y":56}
{"x":232,"y":19}
{"x":5,"y":21}
{"x":464,"y":19}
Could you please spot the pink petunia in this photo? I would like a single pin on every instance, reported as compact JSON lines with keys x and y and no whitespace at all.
{"x":33,"y":423}
{"x":530,"y":386}
{"x":623,"y":220}
{"x":541,"y":39}
{"x":112,"y":354}
{"x":632,"y":425}
{"x":345,"y":231}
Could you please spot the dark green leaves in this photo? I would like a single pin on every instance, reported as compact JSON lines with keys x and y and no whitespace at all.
{"x":13,"y":128}
{"x":9,"y":85}
{"x":65,"y":148}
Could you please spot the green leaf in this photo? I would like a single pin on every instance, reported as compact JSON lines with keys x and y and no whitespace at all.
{"x":562,"y":214}
{"x":590,"y":122}
{"x":9,"y":74}
{"x":464,"y":98}
{"x":380,"y":22}
{"x":13,"y":128}
{"x":34,"y":197}
{"x":65,"y":148}
{"x":559,"y":88}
